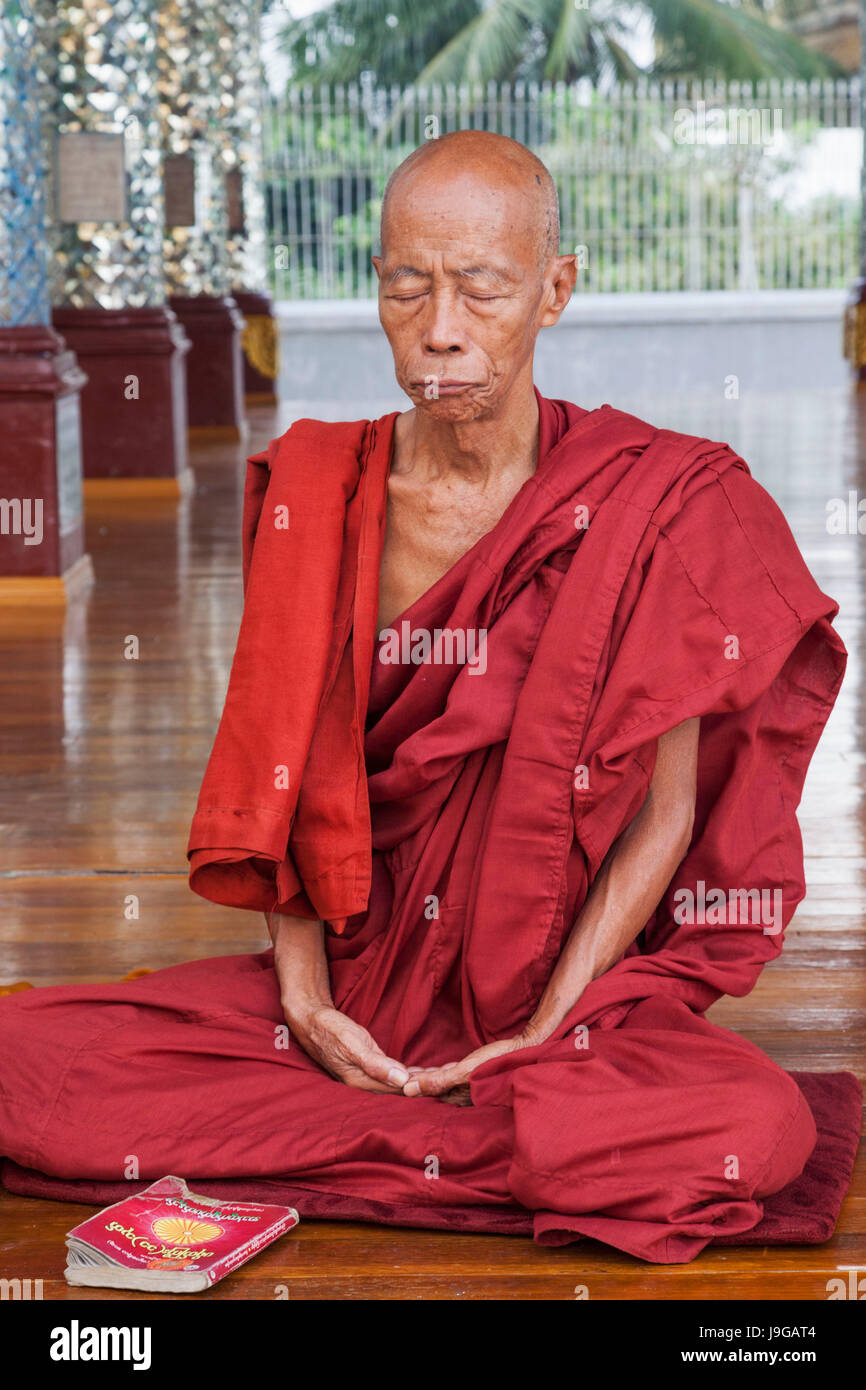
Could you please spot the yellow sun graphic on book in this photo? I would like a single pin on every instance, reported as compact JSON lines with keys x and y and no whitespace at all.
{"x":185,"y":1230}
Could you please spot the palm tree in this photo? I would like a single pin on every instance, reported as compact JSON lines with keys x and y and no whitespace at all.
{"x":406,"y":41}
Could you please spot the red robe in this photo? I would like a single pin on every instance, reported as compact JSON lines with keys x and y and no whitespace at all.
{"x":447,"y":823}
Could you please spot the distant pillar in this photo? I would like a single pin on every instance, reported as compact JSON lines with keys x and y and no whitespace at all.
{"x":214,"y":325}
{"x":105,"y":220}
{"x":854,"y":339}
{"x":261,"y":347}
{"x":42,"y":557}
{"x":195,"y":86}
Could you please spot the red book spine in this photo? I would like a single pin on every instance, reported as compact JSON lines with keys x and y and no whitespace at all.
{"x":220,"y":1268}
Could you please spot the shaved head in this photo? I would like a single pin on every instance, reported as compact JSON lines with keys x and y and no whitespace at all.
{"x":485,"y":159}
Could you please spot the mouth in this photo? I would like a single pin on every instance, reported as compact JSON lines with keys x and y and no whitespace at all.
{"x":447,"y":386}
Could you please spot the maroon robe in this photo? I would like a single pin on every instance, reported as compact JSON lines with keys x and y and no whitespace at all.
{"x":447,"y":822}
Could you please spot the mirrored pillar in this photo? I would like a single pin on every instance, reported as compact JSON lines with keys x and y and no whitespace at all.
{"x":42,"y":557}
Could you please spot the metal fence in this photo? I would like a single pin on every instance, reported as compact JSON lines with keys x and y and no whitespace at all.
{"x":668,"y":186}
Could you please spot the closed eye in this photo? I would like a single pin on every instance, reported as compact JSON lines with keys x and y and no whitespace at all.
{"x":407,"y":298}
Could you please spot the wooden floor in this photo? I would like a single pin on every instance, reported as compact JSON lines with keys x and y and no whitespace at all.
{"x":101,"y":759}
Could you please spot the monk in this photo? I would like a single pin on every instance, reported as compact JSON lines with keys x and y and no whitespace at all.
{"x":522,"y":705}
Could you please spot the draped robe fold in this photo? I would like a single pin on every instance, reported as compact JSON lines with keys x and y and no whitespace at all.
{"x":447,"y":820}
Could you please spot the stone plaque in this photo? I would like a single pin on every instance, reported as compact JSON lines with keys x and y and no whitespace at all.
{"x":235,"y":202}
{"x":67,"y":444}
{"x":91,"y":177}
{"x":179,"y":177}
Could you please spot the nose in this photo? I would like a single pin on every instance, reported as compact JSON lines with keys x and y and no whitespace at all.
{"x":442,"y":333}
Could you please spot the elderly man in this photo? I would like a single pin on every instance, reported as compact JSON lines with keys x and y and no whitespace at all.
{"x":522,"y":704}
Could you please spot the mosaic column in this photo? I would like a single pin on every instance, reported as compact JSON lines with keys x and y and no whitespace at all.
{"x":105,"y":220}
{"x":42,"y":556}
{"x":195,"y":82}
{"x":243,"y":176}
{"x":854,"y":335}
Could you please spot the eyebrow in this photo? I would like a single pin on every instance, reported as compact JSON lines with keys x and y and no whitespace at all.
{"x":401,"y":272}
{"x":469,"y":272}
{"x":487,"y":272}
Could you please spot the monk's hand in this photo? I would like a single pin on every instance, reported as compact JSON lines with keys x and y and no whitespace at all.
{"x":347,"y":1051}
{"x":451,"y":1083}
{"x":331,"y":1038}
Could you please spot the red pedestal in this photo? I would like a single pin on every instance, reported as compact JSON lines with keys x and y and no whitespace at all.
{"x":261,"y":345}
{"x":214,"y":367}
{"x":133,"y":410}
{"x":41,"y":514}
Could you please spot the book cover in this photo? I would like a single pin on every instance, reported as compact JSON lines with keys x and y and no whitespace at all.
{"x":169,"y":1238}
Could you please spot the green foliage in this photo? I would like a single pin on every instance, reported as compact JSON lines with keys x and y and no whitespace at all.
{"x":402,"y":41}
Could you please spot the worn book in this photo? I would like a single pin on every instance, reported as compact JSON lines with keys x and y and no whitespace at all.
{"x":167,"y":1239}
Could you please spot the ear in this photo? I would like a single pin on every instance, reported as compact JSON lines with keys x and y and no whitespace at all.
{"x":563,"y":273}
{"x":377,"y":265}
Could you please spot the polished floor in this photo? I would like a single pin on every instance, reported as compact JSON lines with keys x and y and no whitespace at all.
{"x":106,"y":720}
